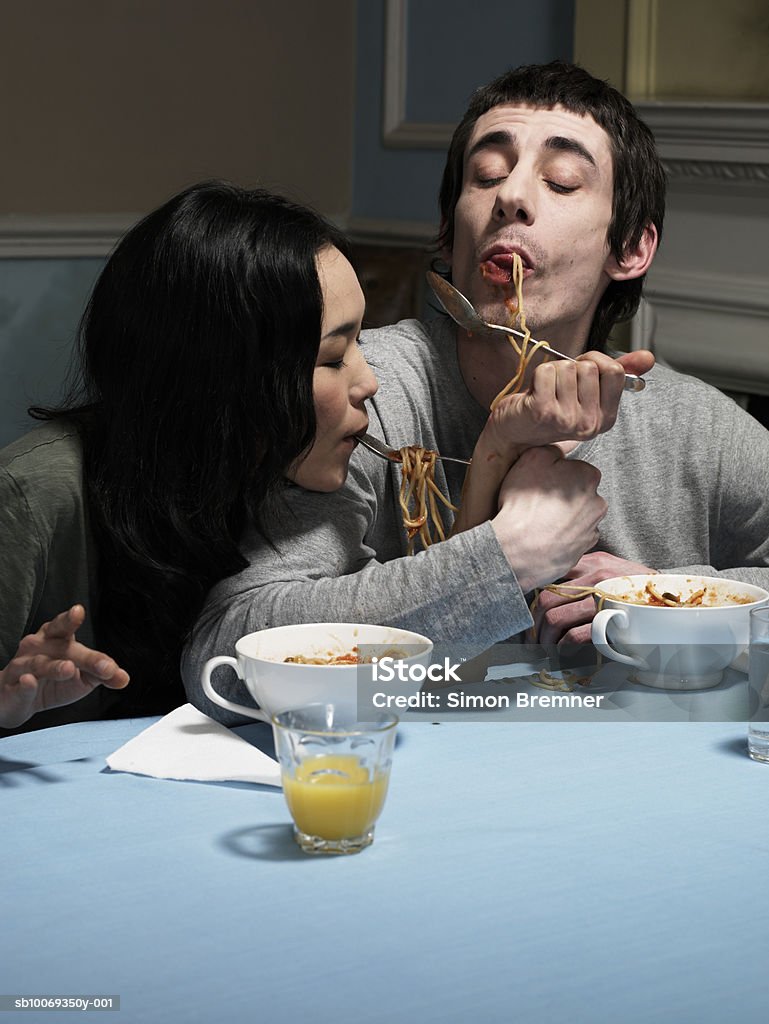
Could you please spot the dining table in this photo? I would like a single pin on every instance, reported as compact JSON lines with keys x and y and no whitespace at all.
{"x":535,"y":871}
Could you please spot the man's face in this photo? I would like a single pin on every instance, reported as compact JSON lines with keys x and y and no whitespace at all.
{"x":537,"y":182}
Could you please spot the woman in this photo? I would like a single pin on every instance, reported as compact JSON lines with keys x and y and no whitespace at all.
{"x":218,"y":357}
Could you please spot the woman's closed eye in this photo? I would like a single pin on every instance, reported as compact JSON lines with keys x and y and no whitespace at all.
{"x":333,"y":364}
{"x":334,"y":359}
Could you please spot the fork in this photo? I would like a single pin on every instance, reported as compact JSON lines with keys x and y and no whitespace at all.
{"x":393,"y":455}
{"x":462,"y":312}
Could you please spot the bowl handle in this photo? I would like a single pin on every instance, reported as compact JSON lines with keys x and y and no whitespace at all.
{"x":210,"y":692}
{"x":600,"y":642}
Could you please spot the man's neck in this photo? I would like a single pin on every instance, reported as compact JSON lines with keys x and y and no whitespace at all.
{"x":487,"y":362}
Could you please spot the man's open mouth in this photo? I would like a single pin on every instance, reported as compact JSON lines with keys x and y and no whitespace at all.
{"x":496,"y":264}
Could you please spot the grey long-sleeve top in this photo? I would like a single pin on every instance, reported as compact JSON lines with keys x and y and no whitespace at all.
{"x":684,"y":470}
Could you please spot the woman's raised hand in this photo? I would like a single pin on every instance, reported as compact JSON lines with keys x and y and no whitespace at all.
{"x":50,"y":669}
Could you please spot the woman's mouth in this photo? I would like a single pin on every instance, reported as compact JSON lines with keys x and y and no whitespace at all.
{"x":352,"y":439}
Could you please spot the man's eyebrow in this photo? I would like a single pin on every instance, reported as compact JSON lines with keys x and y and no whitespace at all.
{"x":559,"y":143}
{"x":497,"y":138}
{"x":342,"y":331}
{"x":564,"y":145}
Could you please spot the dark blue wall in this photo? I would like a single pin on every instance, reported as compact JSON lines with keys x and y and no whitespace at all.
{"x":453,"y":47}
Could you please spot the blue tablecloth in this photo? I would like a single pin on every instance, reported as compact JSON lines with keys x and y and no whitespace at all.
{"x":533,"y":872}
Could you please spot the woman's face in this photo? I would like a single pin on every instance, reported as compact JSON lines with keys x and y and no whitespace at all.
{"x":342,"y":380}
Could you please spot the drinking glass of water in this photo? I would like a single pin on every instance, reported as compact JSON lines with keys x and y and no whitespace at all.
{"x":758,"y":686}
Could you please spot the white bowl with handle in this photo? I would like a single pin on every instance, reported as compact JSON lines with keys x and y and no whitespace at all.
{"x":675,"y":647}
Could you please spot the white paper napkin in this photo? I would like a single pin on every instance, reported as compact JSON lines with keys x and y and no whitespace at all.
{"x":187,"y":744}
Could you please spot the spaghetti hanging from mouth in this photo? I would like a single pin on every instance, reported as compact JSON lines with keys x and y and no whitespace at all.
{"x":419,"y":497}
{"x":524,"y":348}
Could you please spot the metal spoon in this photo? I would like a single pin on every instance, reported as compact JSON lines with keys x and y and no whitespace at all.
{"x":393,"y":455}
{"x":462,"y":312}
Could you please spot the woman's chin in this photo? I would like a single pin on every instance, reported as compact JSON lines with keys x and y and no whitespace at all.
{"x":323,"y":481}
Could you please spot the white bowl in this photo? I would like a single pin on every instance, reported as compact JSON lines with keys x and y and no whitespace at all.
{"x":276,"y":685}
{"x":675,"y":648}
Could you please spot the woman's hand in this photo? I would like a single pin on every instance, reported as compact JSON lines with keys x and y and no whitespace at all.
{"x":50,"y":669}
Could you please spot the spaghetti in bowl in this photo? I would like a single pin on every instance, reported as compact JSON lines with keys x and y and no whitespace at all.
{"x":674,"y":630}
{"x":287,"y":667}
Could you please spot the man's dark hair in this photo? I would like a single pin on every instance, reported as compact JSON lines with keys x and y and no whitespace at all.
{"x":639,"y":179}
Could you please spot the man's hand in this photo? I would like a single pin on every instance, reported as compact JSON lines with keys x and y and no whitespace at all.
{"x":558,"y":619}
{"x":50,"y":669}
{"x":549,"y":511}
{"x":565,"y":402}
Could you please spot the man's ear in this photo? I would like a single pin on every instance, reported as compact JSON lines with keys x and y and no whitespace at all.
{"x":637,"y":258}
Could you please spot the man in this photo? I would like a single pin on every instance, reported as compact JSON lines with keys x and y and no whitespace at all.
{"x":553,"y":165}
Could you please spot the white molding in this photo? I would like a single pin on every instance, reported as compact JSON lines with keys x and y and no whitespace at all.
{"x":64,"y":236}
{"x":728,"y":353}
{"x":715,"y":145}
{"x":716,"y":173}
{"x":703,"y":126}
{"x":396,"y":130}
{"x":700,"y":290}
{"x":712,"y":325}
{"x":69,"y":236}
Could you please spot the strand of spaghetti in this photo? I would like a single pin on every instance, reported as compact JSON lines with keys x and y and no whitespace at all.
{"x":410,"y":488}
{"x":514,"y":385}
{"x":411,"y":523}
{"x":570,"y":590}
{"x":418,"y":497}
{"x":439,"y":494}
{"x":522,"y":350}
{"x":435,"y":516}
{"x":422,"y":460}
{"x":406,"y":486}
{"x":576,"y":592}
{"x":436,"y":492}
{"x":419,"y":490}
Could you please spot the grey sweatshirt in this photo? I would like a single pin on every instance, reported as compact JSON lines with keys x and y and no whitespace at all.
{"x":685,"y":473}
{"x":47,"y":559}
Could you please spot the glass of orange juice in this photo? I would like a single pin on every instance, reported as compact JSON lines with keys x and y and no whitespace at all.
{"x":335,"y":770}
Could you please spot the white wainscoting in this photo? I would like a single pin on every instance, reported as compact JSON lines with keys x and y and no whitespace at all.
{"x":709,"y":285}
{"x":65,"y":236}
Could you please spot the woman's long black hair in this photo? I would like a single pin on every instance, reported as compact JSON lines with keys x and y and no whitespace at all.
{"x":196,"y":350}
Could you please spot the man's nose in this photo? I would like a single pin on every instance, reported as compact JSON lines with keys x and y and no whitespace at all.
{"x":514,"y":201}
